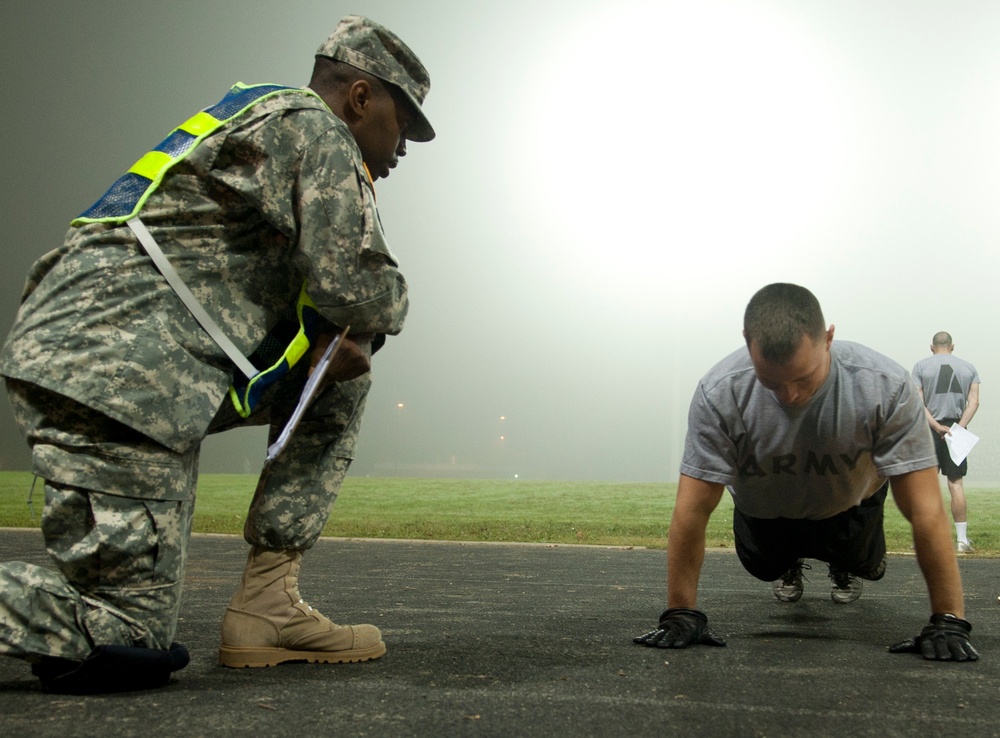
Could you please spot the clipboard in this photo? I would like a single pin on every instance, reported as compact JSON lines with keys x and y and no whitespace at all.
{"x":312,"y":385}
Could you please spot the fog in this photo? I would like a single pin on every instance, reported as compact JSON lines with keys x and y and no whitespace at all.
{"x":611,"y":182}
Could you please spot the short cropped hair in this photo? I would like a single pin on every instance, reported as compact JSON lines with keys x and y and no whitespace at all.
{"x":777,"y":318}
{"x":942,"y":338}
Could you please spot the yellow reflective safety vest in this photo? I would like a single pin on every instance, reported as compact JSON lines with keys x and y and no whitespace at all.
{"x":291,"y":338}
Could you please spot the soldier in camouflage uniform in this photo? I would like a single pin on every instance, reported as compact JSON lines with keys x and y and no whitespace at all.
{"x":115,"y":384}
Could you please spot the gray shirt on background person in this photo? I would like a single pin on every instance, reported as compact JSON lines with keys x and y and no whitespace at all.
{"x":945,"y":381}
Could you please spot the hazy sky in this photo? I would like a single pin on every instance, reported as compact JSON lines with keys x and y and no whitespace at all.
{"x":612,"y":180}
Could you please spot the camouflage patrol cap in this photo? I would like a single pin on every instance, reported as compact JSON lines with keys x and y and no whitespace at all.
{"x":365,"y":44}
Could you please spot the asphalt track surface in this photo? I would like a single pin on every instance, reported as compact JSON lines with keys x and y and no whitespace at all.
{"x":535,"y":640}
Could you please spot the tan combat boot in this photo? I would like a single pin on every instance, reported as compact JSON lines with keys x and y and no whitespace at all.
{"x":267,"y":623}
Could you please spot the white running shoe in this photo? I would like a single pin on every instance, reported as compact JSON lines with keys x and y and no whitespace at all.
{"x":846,"y":587}
{"x":789,"y":587}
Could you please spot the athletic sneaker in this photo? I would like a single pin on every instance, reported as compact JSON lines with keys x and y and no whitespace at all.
{"x":846,"y":587}
{"x":965,"y":547}
{"x":789,"y":587}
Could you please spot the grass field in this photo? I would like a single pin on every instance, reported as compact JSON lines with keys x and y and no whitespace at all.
{"x":476,"y":510}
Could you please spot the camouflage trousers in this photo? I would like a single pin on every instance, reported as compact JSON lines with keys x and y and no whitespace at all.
{"x":118,"y":511}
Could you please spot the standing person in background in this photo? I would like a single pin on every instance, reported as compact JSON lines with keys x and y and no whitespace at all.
{"x":949,"y":387}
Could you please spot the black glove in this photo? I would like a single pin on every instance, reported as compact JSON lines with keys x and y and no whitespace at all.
{"x":679,"y":628}
{"x":111,"y":669}
{"x":945,"y":639}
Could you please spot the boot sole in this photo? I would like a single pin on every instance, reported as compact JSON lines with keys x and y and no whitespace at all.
{"x":256,"y":658}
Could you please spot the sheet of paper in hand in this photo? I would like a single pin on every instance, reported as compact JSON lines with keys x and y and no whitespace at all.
{"x":960,"y":442}
{"x":312,"y":385}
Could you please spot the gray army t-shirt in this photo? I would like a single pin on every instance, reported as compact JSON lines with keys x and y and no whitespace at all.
{"x":945,"y":381}
{"x":865,"y":423}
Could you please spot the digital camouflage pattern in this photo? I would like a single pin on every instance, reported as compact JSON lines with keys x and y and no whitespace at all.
{"x":292,"y":501}
{"x":121,"y":557}
{"x":120,"y":564}
{"x":74,"y":446}
{"x":115,"y":385}
{"x":364,"y":44}
{"x":277,"y":196}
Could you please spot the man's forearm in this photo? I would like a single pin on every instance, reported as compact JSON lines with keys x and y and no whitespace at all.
{"x":936,"y":427}
{"x":919,"y":499}
{"x":696,"y":499}
{"x":970,"y":412}
{"x":685,"y":556}
{"x":971,"y":406}
{"x":939,"y":565}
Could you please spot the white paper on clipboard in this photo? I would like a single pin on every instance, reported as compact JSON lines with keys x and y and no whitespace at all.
{"x":308,"y":393}
{"x":960,"y":442}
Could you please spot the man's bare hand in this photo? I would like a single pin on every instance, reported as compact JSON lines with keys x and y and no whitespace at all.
{"x":352,"y":359}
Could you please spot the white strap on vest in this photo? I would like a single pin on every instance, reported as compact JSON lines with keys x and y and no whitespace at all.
{"x":190,"y":301}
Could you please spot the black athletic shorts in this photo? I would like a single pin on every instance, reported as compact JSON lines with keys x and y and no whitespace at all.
{"x":852,"y":541}
{"x":948,"y":467}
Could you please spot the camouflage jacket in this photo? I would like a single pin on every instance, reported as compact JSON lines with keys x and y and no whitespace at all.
{"x":276,"y":196}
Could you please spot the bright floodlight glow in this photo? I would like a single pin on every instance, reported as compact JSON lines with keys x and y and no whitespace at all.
{"x":704,"y":149}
